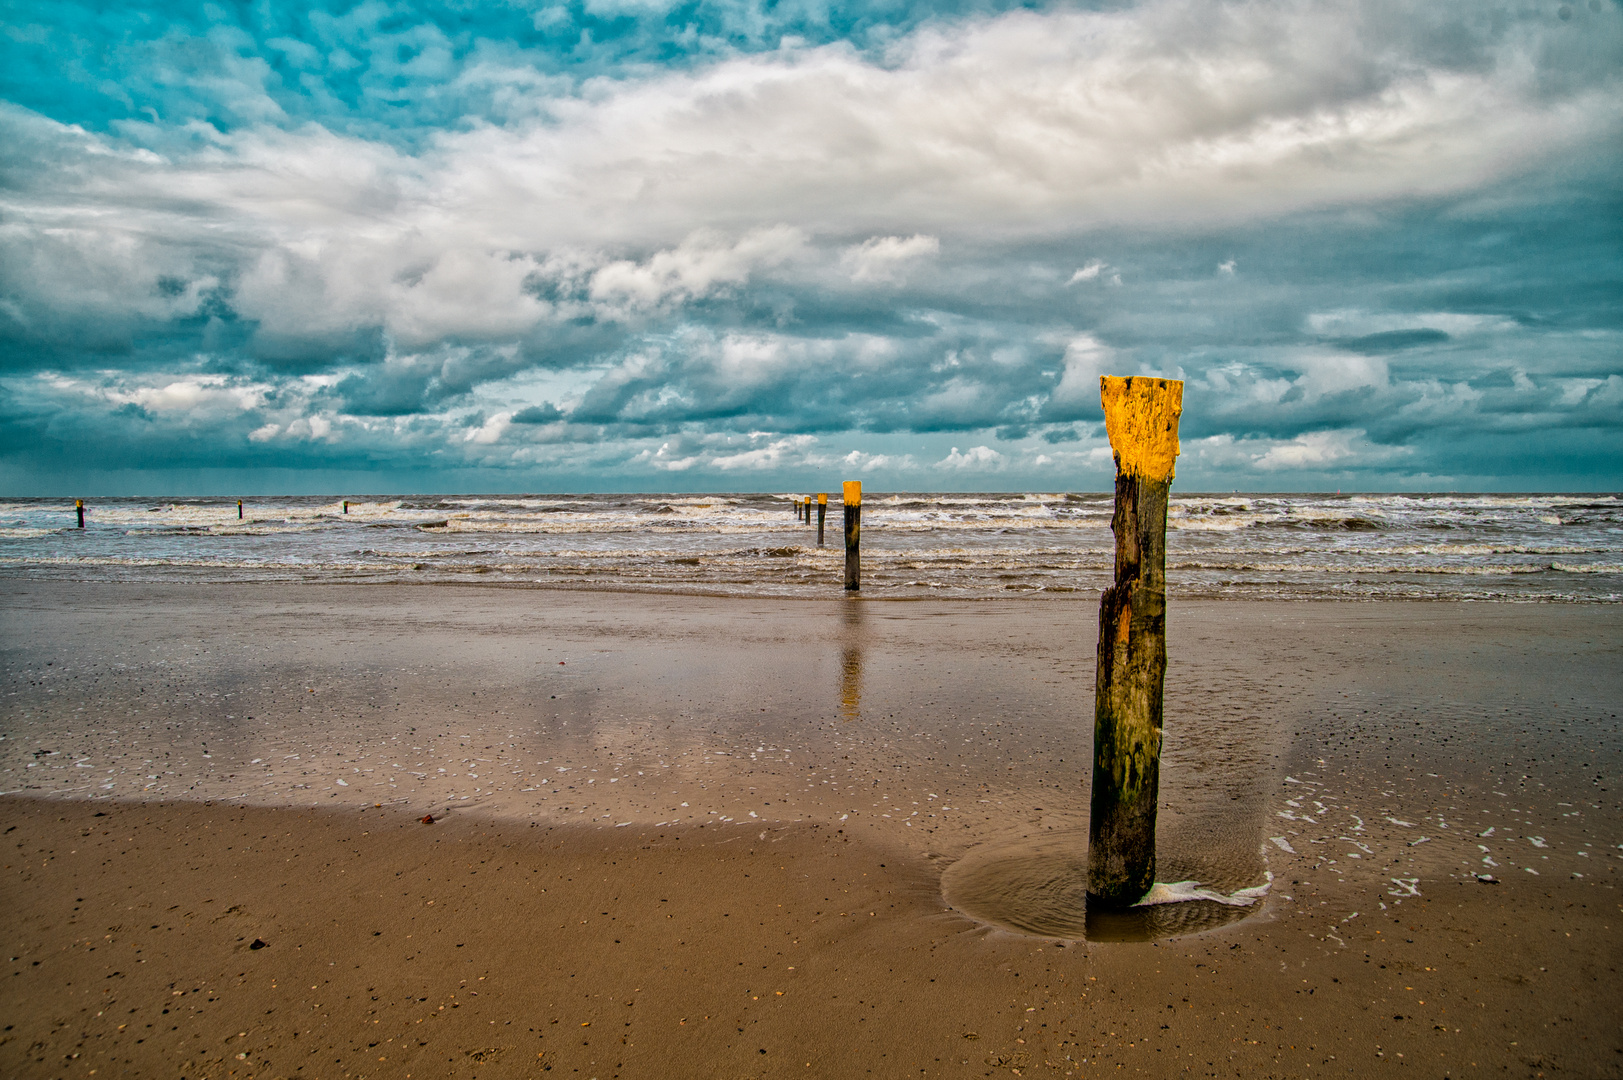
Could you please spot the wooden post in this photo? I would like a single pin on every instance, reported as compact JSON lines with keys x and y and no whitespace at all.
{"x":1141,"y":418}
{"x":346,"y":506}
{"x":239,"y":509}
{"x":853,"y":535}
{"x":79,"y":507}
{"x":822,"y":513}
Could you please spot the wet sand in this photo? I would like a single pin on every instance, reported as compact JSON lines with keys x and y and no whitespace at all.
{"x":748,"y":884}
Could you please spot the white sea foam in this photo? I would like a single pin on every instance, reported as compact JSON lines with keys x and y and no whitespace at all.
{"x":1176,"y":892}
{"x":965,"y":545}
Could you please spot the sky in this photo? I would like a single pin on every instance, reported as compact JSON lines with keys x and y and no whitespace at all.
{"x":647,"y":245}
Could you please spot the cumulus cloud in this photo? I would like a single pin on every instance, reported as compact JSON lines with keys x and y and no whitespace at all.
{"x":489,"y":431}
{"x":1310,"y":452}
{"x":1076,"y":395}
{"x":755,"y":452}
{"x":701,"y":264}
{"x":189,"y":399}
{"x":976,"y":457}
{"x":892,"y":464}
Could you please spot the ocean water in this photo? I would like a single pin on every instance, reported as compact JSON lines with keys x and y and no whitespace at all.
{"x":1527,"y":547}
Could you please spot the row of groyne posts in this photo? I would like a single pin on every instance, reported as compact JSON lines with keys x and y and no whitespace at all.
{"x":817,"y":505}
{"x":79,"y":509}
{"x":1141,"y":420}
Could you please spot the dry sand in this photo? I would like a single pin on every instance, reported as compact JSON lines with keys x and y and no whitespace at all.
{"x":749,"y":883}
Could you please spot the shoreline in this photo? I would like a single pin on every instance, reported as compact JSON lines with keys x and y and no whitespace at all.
{"x":1376,"y":741}
{"x":831,"y":592}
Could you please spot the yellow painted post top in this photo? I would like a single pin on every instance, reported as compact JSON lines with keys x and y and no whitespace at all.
{"x":853,"y":493}
{"x":822,"y":499}
{"x":77,"y":503}
{"x":1141,"y":418}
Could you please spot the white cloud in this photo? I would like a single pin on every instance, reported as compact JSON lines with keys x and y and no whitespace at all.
{"x":1086,"y":358}
{"x":1352,"y":322}
{"x":198,"y":398}
{"x":887,"y":258}
{"x":868,"y":463}
{"x":756,"y":452}
{"x":1028,"y":123}
{"x":1323,"y":374}
{"x":316,"y":428}
{"x":612,"y":8}
{"x":1573,"y":391}
{"x":1088,"y":272}
{"x":701,"y":264}
{"x":489,"y":431}
{"x":1311,"y":451}
{"x":978,"y":457}
{"x":1312,"y":448}
{"x":774,"y":455}
{"x":669,"y":459}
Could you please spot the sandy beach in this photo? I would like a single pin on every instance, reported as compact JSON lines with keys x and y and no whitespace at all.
{"x":688,"y":836}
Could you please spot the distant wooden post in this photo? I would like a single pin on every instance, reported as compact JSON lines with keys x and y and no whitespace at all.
{"x":346,"y":506}
{"x":853,"y":535}
{"x":1141,"y":418}
{"x":79,"y":507}
{"x":239,"y":509}
{"x":822,"y":513}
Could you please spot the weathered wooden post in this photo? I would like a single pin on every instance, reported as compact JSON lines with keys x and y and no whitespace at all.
{"x":853,"y":535}
{"x":822,"y":513}
{"x":239,"y":509}
{"x":1141,"y":419}
{"x":79,"y":508}
{"x":346,"y":506}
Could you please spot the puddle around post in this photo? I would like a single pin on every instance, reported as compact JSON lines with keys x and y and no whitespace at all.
{"x":1041,"y":888}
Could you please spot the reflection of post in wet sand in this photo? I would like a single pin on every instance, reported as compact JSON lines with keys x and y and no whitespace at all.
{"x":851,"y":661}
{"x":851,"y":681}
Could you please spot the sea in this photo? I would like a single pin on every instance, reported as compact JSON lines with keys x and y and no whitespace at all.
{"x":1547,"y":548}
